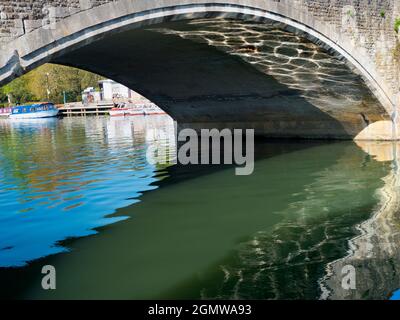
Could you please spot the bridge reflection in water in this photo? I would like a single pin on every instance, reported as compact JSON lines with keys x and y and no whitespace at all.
{"x":201,"y":232}
{"x":375,"y":252}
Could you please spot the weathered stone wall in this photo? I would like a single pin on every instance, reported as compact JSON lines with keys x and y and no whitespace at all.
{"x":369,"y":23}
{"x":18,"y":17}
{"x":370,"y":26}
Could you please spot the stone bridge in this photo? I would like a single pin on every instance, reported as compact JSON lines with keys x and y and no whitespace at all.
{"x":287,"y":68}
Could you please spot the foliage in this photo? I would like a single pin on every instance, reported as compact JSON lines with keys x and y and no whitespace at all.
{"x":18,"y":90}
{"x":383,"y":14}
{"x":51,"y":81}
{"x":48,"y":83}
{"x":3,"y":98}
{"x":397,"y":25}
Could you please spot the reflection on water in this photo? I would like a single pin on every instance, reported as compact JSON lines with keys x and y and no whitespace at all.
{"x":202,"y":232}
{"x":61,"y":178}
{"x":375,"y":251}
{"x":396,"y":295}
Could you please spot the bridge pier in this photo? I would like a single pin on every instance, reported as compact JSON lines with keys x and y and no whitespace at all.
{"x":384,"y":130}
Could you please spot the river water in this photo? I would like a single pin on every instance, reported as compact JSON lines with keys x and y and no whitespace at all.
{"x":79,"y":194}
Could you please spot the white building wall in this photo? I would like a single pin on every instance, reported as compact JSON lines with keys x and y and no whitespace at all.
{"x":113,"y":89}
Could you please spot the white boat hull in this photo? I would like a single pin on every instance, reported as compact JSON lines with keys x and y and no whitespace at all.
{"x":35,"y":115}
{"x":125,"y":112}
{"x":136,"y":111}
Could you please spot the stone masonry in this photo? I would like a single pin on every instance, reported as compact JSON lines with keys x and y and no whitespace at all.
{"x":369,"y":23}
{"x":18,"y":17}
{"x":362,"y":32}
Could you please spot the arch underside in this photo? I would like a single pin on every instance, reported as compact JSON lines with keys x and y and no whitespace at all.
{"x":246,"y":72}
{"x":218,"y":73}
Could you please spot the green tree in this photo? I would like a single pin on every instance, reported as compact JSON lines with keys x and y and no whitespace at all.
{"x":48,"y":83}
{"x":3,"y":98}
{"x":18,"y":91}
{"x":51,"y":81}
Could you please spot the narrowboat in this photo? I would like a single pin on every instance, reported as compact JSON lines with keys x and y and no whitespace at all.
{"x":34,"y":111}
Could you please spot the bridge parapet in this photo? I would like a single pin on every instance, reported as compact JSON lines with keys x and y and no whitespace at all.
{"x":18,"y":17}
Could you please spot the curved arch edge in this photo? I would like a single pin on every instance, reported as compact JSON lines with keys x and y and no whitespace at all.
{"x":41,"y":45}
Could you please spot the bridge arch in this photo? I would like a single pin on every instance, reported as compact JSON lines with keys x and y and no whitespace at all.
{"x":52,"y":43}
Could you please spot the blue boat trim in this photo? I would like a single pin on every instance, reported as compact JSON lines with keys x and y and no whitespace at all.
{"x":34,"y":108}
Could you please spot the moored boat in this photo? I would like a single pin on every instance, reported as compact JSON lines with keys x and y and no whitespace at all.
{"x":136,"y":110}
{"x":126,"y":111}
{"x":152,"y":109}
{"x":5,"y":112}
{"x":34,"y":111}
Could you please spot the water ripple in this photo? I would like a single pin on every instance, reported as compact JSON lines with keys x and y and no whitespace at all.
{"x":63,"y":178}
